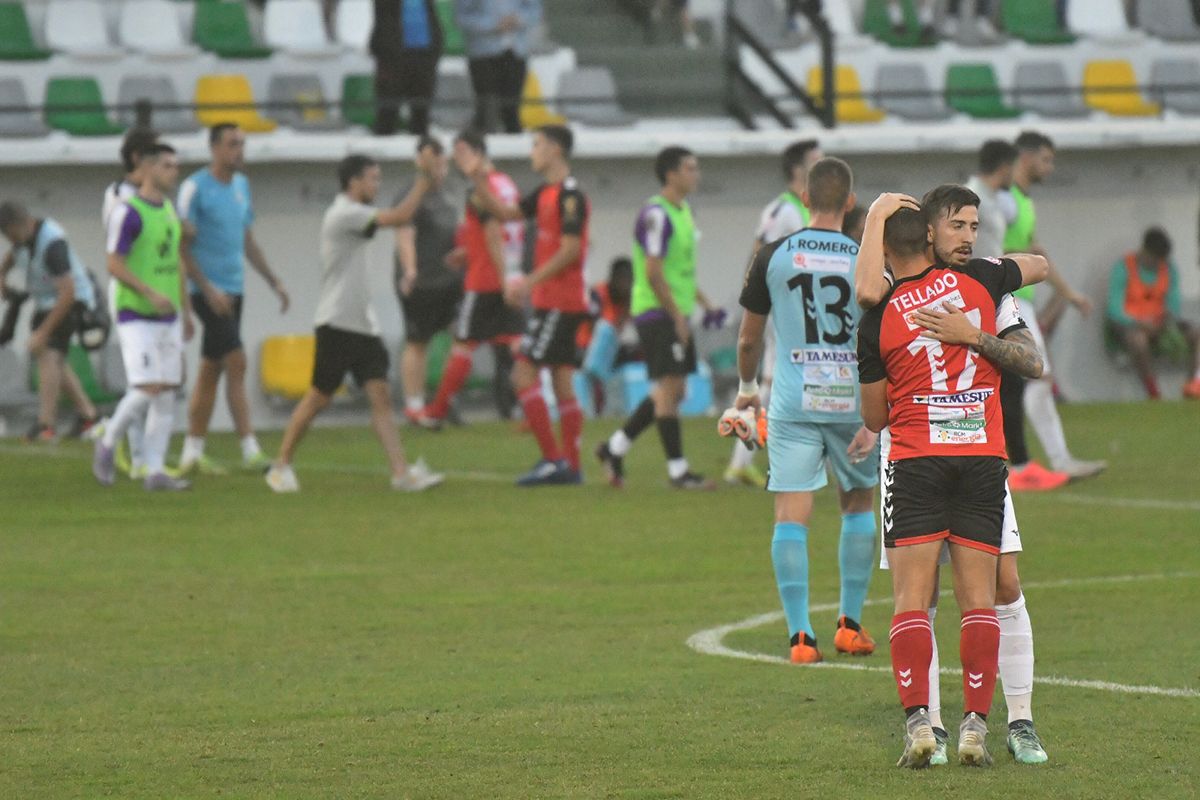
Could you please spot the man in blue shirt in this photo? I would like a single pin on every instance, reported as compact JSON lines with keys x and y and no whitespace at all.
{"x":498,"y":35}
{"x":215,"y":207}
{"x":407,"y":43}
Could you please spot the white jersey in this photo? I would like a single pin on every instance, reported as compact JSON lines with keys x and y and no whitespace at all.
{"x":115,"y":195}
{"x":782,"y":217}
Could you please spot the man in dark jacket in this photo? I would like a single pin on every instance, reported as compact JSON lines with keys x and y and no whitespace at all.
{"x":407,"y":43}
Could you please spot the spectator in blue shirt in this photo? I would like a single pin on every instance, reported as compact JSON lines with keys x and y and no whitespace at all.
{"x":498,"y":35}
{"x":407,"y":43}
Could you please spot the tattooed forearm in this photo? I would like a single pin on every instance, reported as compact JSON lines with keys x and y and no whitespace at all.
{"x":1016,"y":352}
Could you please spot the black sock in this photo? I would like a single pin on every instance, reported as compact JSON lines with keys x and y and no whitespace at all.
{"x":640,"y":419}
{"x":976,"y":713}
{"x":910,"y":710}
{"x":672,"y":437}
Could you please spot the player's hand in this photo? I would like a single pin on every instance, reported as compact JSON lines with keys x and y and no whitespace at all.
{"x":37,"y":342}
{"x":161,"y":304}
{"x":285,"y":300}
{"x":456,"y":259}
{"x":469,"y":162}
{"x":189,"y":328}
{"x":509,"y":23}
{"x":1081,"y":302}
{"x":862,"y":445}
{"x":742,"y":402}
{"x":714,"y":319}
{"x":889,"y":203}
{"x":516,"y":291}
{"x":683,"y":333}
{"x":950,"y":326}
{"x":406,"y":283}
{"x":218,"y":301}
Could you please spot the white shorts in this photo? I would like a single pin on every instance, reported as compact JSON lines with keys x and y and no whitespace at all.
{"x":152,"y":351}
{"x":1010,"y":538}
{"x":1029,"y":316}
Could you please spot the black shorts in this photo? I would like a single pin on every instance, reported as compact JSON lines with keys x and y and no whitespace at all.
{"x":484,"y":316}
{"x":960,"y":498}
{"x":340,"y":351}
{"x":222,"y":335}
{"x":663,"y":353}
{"x":429,"y":311}
{"x":60,"y":337}
{"x":550,"y":338}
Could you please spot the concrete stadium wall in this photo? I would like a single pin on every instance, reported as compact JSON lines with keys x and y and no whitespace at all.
{"x":1093,"y":209}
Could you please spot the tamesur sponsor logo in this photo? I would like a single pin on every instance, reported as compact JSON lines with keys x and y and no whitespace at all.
{"x":960,"y":399}
{"x":801,"y":356}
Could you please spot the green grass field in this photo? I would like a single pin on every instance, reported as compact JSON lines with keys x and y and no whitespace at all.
{"x":480,"y":641}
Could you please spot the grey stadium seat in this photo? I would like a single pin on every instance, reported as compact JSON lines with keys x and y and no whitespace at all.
{"x":1042,"y":87}
{"x":767,"y":20}
{"x":159,"y":91}
{"x":308,"y":110}
{"x":453,"y":103}
{"x":589,"y":95}
{"x":18,"y":123}
{"x":909,"y":77}
{"x":1176,"y":84}
{"x":1169,"y":19}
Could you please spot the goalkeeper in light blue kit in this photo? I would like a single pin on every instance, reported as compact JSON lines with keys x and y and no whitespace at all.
{"x":805,"y":282}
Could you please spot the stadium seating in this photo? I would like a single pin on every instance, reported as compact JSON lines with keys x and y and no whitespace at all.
{"x":353,"y":24}
{"x":768,"y":21}
{"x":589,"y":95}
{"x":307,"y":110}
{"x":285,"y":365}
{"x":1035,"y":21}
{"x":78,"y":27}
{"x":452,"y":36}
{"x":1111,"y":86}
{"x":16,"y":37}
{"x":452,"y":102}
{"x":297,"y":28}
{"x":159,"y":91}
{"x":152,"y":27}
{"x":229,"y":99}
{"x":877,"y":23}
{"x":223,"y":28}
{"x":851,"y":105}
{"x":1042,"y":87}
{"x":973,"y":89}
{"x":534,"y":109}
{"x":1177,"y":83}
{"x":74,"y":105}
{"x":1169,"y":19}
{"x":1099,"y":19}
{"x":358,"y":100}
{"x":18,"y":123}
{"x":921,"y":104}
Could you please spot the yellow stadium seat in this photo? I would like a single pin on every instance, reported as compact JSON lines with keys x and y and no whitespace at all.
{"x":231,"y":90}
{"x":845,"y":82}
{"x":534,"y":111}
{"x":285,"y":365}
{"x":1111,"y":86}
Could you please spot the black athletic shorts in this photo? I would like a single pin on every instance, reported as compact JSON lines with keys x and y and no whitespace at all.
{"x":222,"y":335}
{"x":429,"y":311}
{"x":340,"y":351}
{"x":662,"y":350}
{"x":484,"y":316}
{"x":550,"y":338}
{"x":960,"y":498}
{"x":60,"y":337}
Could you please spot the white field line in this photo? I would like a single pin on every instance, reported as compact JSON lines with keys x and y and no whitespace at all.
{"x":1128,"y":502}
{"x":711,"y":641}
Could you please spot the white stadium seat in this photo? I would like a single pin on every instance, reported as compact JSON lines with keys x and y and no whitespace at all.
{"x":297,"y":27}
{"x":78,"y":28}
{"x":152,"y":27}
{"x":353,"y":24}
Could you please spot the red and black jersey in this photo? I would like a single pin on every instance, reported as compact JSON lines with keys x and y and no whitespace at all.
{"x":483,"y":274}
{"x":943,"y":399}
{"x":560,"y":209}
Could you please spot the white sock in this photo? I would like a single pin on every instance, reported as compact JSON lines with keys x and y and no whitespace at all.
{"x":136,"y":433}
{"x":742,"y":456}
{"x":132,"y":406}
{"x":415,"y":404}
{"x":193,"y":449}
{"x":250,"y":448}
{"x":935,"y":681}
{"x":1196,"y":376}
{"x":158,"y":430}
{"x":1043,"y":416}
{"x":1016,"y":659}
{"x":619,"y":444}
{"x":677,"y":468}
{"x":896,"y":13}
{"x":925,"y":13}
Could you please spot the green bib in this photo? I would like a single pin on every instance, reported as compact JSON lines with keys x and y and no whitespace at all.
{"x":801,"y":209}
{"x":1019,"y":236}
{"x":154,"y":258}
{"x":679,"y":262}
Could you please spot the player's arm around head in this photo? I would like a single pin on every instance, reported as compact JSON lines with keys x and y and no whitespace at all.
{"x":870,"y":280}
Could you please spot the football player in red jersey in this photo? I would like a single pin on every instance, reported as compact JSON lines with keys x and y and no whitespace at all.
{"x":928,"y":355}
{"x":558,"y":295}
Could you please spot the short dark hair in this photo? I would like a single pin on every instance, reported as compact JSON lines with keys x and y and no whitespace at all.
{"x":830,"y":182}
{"x":794,"y":155}
{"x":217,"y":131}
{"x":947,"y":198}
{"x":669,"y":159}
{"x":135,"y":144}
{"x":905,"y":233}
{"x":353,"y":166}
{"x":994,"y":154}
{"x":12,"y":212}
{"x":619,"y":266}
{"x":1156,"y":242}
{"x":474,"y":139}
{"x":158,"y":149}
{"x":561,"y":135}
{"x":430,"y":141}
{"x":852,"y":219}
{"x":1029,"y":141}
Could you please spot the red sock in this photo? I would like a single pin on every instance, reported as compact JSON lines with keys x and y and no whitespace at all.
{"x":911,"y":638}
{"x":979,"y":649}
{"x":570,"y":421}
{"x":538,"y":417}
{"x":458,"y":369}
{"x":1151,"y":385}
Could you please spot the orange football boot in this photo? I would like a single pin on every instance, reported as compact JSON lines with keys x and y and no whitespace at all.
{"x":852,"y":638}
{"x":804,"y":649}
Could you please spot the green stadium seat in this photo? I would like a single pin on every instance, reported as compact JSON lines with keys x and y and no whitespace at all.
{"x":358,"y":100}
{"x":877,"y":23}
{"x":452,"y":36}
{"x":973,"y":89}
{"x":80,"y":362}
{"x":16,"y":38}
{"x":224,"y":28}
{"x":1035,"y":21}
{"x":74,"y":105}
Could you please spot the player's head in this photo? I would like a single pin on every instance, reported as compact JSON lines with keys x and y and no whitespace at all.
{"x":160,"y":167}
{"x":552,"y":144}
{"x":904,"y":235}
{"x":360,"y":177}
{"x":996,"y":160}
{"x":135,"y":144}
{"x":620,"y":280}
{"x":16,"y":223}
{"x":470,"y":146}
{"x":798,"y":157}
{"x":1035,"y":155}
{"x":854,"y":223}
{"x":433,"y":152}
{"x":227,"y":143}
{"x":1156,"y":245}
{"x":677,"y":168}
{"x":952,"y":216}
{"x":830,"y":187}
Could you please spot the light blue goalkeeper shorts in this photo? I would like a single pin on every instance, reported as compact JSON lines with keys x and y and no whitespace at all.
{"x":797,"y":452}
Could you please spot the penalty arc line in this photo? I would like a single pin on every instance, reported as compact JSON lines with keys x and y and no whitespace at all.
{"x":711,"y":641}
